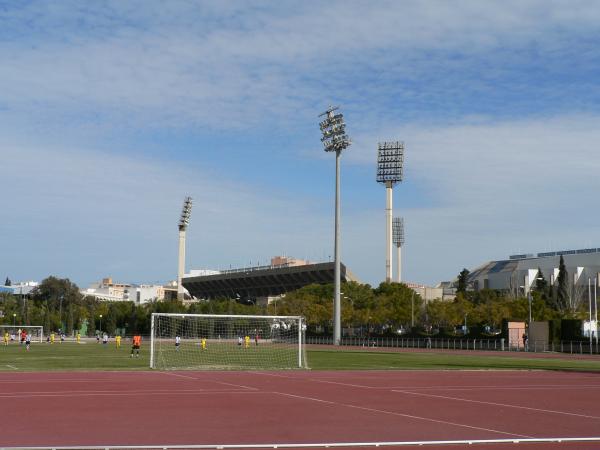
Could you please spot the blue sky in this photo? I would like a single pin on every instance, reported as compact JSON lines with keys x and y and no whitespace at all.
{"x":111,"y":112}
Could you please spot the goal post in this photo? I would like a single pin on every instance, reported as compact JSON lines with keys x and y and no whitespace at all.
{"x":222,"y":342}
{"x":35,"y":331}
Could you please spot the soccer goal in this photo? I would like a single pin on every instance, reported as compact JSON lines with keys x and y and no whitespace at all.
{"x":35,"y":331}
{"x":210,"y":341}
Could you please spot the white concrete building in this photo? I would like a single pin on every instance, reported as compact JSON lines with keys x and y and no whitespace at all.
{"x":106,"y":290}
{"x":20,"y":288}
{"x":518,"y":273}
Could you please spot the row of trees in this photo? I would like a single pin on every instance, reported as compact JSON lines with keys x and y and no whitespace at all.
{"x":389,"y":308}
{"x":57,"y":304}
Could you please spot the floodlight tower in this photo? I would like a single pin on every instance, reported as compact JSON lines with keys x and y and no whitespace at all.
{"x":398,"y":237}
{"x":184,"y":220}
{"x":390,"y":160}
{"x":335,"y":140}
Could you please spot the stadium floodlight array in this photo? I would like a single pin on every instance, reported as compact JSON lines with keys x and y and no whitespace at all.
{"x":334,"y":131}
{"x":186,"y":212}
{"x":398,"y":225}
{"x":184,"y":221}
{"x":222,"y":342}
{"x":335,"y":140}
{"x":390,"y":161}
{"x":35,"y":331}
{"x":398,"y":238}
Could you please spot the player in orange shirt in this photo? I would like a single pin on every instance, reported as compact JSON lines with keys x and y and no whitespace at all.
{"x":136,"y":344}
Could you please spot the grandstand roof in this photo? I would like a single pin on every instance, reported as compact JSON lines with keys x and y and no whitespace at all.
{"x":262,"y":281}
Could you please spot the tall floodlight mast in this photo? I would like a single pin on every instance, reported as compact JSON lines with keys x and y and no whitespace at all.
{"x":390,"y":160}
{"x":335,"y":140}
{"x":184,"y":220}
{"x":398,"y":237}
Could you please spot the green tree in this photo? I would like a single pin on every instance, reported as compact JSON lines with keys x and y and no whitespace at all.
{"x":541,"y":285}
{"x":562,"y":293}
{"x":462,"y":281}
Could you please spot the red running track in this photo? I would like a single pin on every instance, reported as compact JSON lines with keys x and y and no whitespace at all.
{"x":193,"y":408}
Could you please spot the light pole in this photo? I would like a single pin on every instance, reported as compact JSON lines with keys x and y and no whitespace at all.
{"x":529,"y":301}
{"x":184,"y":220}
{"x":466,"y":314}
{"x":412,"y":310}
{"x":100,"y":323}
{"x":60,"y":311}
{"x":527,"y":288}
{"x":590,"y":305}
{"x":398,"y":238}
{"x":335,"y":140}
{"x":14,"y":320}
{"x":390,"y":160}
{"x":596,"y":310}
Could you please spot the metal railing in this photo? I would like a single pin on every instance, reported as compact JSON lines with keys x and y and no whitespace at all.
{"x":572,"y":347}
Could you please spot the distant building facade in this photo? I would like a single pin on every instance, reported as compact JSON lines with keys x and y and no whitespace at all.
{"x":518,"y":274}
{"x":21,"y":288}
{"x":107,"y":290}
{"x":428,"y":293}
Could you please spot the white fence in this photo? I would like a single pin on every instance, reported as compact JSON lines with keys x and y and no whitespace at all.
{"x":573,"y":347}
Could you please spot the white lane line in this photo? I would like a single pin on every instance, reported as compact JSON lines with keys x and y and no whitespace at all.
{"x":179,"y":375}
{"x":319,"y":445}
{"x":124,"y":393}
{"x":236,"y":385}
{"x":211,"y":381}
{"x":422,"y":394}
{"x":410,"y":416}
{"x":278,"y":376}
{"x":11,"y":367}
{"x":56,"y":381}
{"x":462,"y":388}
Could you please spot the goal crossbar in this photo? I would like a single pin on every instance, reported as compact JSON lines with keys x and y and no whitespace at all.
{"x":226,"y":341}
{"x":13,"y":329}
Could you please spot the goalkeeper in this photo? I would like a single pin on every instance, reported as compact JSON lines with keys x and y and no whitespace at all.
{"x":136,"y":344}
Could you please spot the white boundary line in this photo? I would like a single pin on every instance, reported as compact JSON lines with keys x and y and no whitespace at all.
{"x":314,"y":445}
{"x":11,"y":367}
{"x":410,"y":416}
{"x":211,"y":381}
{"x":506,"y":405}
{"x":462,"y":388}
{"x":127,"y":393}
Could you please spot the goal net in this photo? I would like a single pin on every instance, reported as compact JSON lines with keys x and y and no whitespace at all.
{"x":14,"y":332}
{"x":207,"y":341}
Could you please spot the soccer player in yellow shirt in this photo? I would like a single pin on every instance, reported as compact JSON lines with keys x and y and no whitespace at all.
{"x":78,"y":337}
{"x":246,"y":341}
{"x":118,"y":340}
{"x":52,"y":338}
{"x":6,"y":338}
{"x":203,"y":343}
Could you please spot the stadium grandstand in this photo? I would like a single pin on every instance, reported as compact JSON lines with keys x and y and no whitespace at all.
{"x":518,"y":273}
{"x":262,"y":284}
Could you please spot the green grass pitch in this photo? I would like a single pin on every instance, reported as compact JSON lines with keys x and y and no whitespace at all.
{"x":93,"y":356}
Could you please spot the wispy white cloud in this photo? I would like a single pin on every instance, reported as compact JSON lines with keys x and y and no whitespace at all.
{"x":188,"y":63}
{"x":83,"y":214}
{"x":495,"y":101}
{"x":495,"y":188}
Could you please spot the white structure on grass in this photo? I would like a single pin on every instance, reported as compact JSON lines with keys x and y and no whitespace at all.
{"x":210,"y":341}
